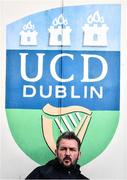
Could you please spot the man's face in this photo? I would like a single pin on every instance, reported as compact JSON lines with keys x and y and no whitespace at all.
{"x":67,"y":152}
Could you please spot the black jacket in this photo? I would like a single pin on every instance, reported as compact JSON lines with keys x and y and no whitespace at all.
{"x":54,"y":170}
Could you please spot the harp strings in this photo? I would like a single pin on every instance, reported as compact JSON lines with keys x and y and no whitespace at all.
{"x":69,"y":122}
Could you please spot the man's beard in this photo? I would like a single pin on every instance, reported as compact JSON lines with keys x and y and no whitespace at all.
{"x":67,"y":158}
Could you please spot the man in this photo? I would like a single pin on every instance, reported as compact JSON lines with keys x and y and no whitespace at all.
{"x":65,"y":165}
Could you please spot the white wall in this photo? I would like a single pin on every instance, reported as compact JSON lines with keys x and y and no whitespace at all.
{"x":14,"y":164}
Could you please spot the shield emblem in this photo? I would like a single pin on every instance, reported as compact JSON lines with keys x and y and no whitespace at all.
{"x":63,"y":74}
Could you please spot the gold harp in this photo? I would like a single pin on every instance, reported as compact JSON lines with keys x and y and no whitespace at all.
{"x":66,"y":119}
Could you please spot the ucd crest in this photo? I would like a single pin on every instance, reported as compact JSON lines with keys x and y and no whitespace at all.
{"x":63,"y":74}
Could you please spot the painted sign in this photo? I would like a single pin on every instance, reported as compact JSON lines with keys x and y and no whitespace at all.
{"x":63,"y":74}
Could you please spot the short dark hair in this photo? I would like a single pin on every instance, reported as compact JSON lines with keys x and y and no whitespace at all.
{"x":68,"y":135}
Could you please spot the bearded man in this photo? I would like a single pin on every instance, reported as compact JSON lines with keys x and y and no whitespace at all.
{"x":64,"y":166}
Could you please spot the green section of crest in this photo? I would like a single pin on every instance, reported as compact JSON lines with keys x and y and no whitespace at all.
{"x":26,"y":128}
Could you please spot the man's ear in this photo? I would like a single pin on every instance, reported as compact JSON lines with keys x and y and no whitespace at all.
{"x":79,"y":155}
{"x":56,"y":152}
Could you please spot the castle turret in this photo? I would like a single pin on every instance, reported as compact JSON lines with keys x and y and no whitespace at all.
{"x":95,"y":31}
{"x":28,"y":36}
{"x":59,"y":32}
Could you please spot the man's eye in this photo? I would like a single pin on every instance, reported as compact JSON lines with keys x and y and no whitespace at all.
{"x":62,"y":149}
{"x":72,"y":149}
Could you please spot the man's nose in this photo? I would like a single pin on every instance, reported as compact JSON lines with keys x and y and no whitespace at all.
{"x":68,"y":152}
